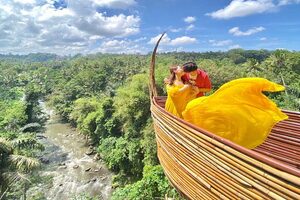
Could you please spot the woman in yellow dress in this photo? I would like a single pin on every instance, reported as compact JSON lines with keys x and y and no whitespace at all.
{"x":179,"y":94}
{"x":238,"y":111}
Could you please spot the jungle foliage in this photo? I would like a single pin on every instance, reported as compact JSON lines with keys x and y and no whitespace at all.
{"x":18,"y":147}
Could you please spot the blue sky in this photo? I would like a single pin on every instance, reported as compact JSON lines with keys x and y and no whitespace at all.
{"x":133,"y":26}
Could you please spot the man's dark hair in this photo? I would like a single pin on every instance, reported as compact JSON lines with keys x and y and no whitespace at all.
{"x":189,"y":67}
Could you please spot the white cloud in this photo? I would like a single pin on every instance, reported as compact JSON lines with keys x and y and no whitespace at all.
{"x":164,"y":41}
{"x":237,"y":32}
{"x":120,"y":46}
{"x":184,"y":40}
{"x":220,"y":43}
{"x":240,"y":8}
{"x":25,"y":1}
{"x":287,"y":2}
{"x":5,"y":9}
{"x":236,"y":46}
{"x":121,"y":4}
{"x":39,"y":26}
{"x":189,"y":19}
{"x":175,"y":30}
{"x":49,"y":12}
{"x":262,"y":38}
{"x":140,"y":39}
{"x":117,"y":25}
{"x":190,"y":27}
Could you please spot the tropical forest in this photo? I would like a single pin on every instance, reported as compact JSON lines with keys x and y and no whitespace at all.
{"x":103,"y":99}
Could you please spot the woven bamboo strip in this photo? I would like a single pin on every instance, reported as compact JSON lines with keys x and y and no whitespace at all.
{"x":281,"y":146}
{"x":173,"y":181}
{"x":208,"y":167}
{"x":280,"y":151}
{"x":207,"y":160}
{"x":278,"y":143}
{"x":184,"y":182}
{"x":290,"y":159}
{"x":279,"y":154}
{"x":172,"y":166}
{"x":290,"y":122}
{"x":205,"y":184}
{"x":288,"y":132}
{"x":288,"y":127}
{"x":220,"y":166}
{"x":202,"y":181}
{"x":294,"y":143}
{"x":188,"y":161}
{"x":285,"y":137}
{"x":205,"y":189}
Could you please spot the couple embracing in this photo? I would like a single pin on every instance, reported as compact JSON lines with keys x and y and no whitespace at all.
{"x":237,"y":111}
{"x":184,"y":84}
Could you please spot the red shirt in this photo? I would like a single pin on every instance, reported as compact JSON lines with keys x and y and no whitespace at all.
{"x":202,"y":81}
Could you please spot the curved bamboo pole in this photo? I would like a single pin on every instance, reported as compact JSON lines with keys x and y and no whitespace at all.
{"x":152,"y":86}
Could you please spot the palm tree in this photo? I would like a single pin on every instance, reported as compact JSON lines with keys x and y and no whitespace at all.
{"x":277,"y":63}
{"x":13,"y":166}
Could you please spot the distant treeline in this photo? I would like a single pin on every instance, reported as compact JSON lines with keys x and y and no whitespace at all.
{"x":32,"y":57}
{"x":237,"y":55}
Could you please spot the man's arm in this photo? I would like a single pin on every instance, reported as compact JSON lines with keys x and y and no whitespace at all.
{"x":204,"y":89}
{"x":207,"y":84}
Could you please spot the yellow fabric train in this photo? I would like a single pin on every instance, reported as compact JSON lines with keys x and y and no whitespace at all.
{"x":238,"y":111}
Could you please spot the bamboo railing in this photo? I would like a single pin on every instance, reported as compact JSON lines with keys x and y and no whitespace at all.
{"x":202,"y":165}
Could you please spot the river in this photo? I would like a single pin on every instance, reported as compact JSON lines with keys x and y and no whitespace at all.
{"x":74,"y":172}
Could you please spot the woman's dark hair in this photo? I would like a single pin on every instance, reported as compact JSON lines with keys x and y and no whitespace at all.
{"x":189,"y":67}
{"x":172,"y":77}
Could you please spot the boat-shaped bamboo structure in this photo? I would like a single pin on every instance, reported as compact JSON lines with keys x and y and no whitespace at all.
{"x":202,"y":165}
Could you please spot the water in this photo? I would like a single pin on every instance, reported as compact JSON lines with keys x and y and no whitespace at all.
{"x":73,"y":171}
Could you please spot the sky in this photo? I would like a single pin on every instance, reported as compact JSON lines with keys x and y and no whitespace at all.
{"x":68,"y":27}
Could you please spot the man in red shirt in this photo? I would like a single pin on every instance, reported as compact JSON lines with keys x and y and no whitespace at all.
{"x":196,"y":77}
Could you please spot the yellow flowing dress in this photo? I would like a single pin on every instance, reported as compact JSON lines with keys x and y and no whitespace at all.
{"x":238,"y":111}
{"x":177,"y":100}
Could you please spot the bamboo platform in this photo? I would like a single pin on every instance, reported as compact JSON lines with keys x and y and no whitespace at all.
{"x":202,"y":165}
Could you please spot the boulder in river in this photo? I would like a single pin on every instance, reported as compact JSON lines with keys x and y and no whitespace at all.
{"x":75,"y":166}
{"x":88,"y":169}
{"x":61,"y":164}
{"x":44,"y":160}
{"x":97,"y":157}
{"x":62,"y":167}
{"x":90,"y":152}
{"x":97,"y":170}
